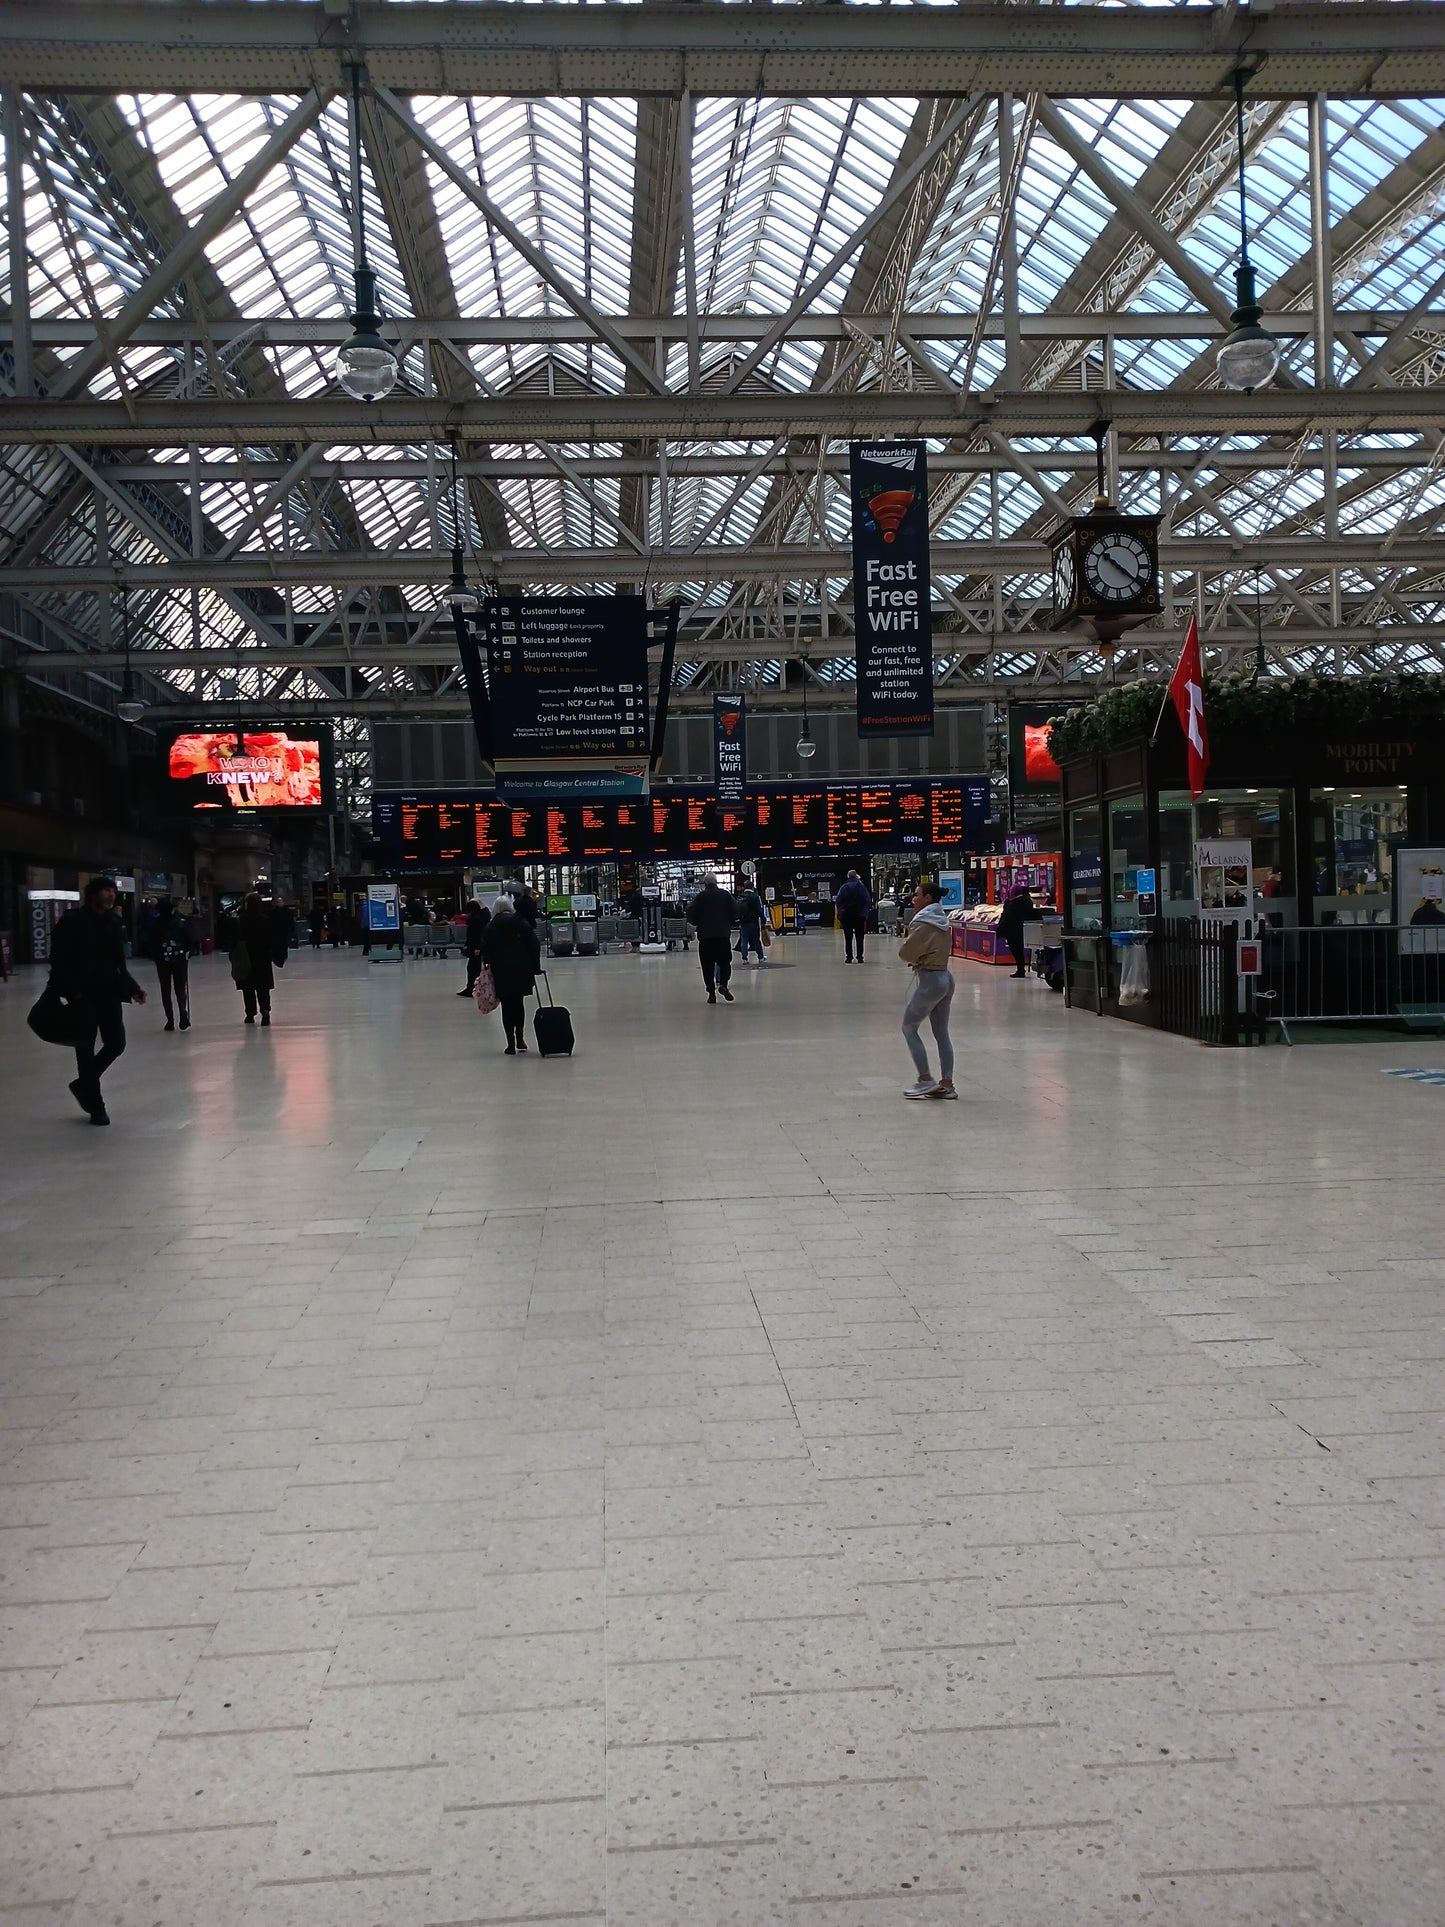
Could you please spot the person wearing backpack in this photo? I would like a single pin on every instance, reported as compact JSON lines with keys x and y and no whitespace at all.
{"x":751,"y":915}
{"x":171,"y":949}
{"x":853,"y":902}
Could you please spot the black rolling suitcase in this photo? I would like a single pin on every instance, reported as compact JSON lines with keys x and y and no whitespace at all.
{"x":552,"y":1025}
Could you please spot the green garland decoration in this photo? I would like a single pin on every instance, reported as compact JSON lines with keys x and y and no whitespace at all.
{"x":1245,"y":706}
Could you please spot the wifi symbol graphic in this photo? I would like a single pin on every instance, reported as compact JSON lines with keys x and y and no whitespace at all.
{"x":889,"y":509}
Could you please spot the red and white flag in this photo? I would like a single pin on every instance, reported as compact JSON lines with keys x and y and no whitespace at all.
{"x":1186,"y":688}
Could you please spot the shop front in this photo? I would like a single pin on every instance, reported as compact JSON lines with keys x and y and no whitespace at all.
{"x":1300,"y":829}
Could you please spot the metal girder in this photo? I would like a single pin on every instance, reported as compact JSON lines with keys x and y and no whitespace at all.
{"x":1139,"y":461}
{"x":433,"y":327}
{"x":730,"y":562}
{"x":588,"y":416}
{"x":478,"y":48}
{"x":440,"y":652}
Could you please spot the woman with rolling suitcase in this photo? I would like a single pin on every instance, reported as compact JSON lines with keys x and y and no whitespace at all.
{"x":511,"y":952}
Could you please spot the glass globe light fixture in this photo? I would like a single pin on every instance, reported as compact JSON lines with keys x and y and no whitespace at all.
{"x":806,"y":746}
{"x":1249,"y":355}
{"x":129,"y":709}
{"x":459,"y":595}
{"x":366,"y":365}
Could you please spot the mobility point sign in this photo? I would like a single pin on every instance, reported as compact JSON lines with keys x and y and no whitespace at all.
{"x":892,"y":617}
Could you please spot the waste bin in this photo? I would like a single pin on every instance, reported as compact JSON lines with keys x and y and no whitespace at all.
{"x":584,"y":932}
{"x":561,"y":940}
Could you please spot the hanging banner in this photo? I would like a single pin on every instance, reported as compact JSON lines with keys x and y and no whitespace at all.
{"x":892,"y":618}
{"x":729,"y":748}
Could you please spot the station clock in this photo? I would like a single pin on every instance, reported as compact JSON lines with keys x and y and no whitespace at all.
{"x":1106,"y":572}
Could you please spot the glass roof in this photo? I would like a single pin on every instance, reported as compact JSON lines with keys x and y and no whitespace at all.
{"x":777,"y":190}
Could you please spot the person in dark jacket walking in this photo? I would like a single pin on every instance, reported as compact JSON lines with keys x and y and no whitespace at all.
{"x":853,"y":902}
{"x":255,"y":930}
{"x":511,"y":952}
{"x":525,"y":904}
{"x":752,"y":912}
{"x":171,"y":949}
{"x":88,"y":967}
{"x":712,"y":913}
{"x":478,"y":917}
{"x":1017,"y":910}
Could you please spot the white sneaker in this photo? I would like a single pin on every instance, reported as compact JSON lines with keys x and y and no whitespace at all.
{"x":943,"y":1090}
{"x":925,"y":1087}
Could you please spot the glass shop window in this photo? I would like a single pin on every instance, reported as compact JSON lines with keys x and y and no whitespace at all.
{"x":1352,"y":839}
{"x":1086,"y":869}
{"x":1128,"y":854}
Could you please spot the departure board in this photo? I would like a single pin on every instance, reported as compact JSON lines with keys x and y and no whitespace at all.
{"x":808,"y":812}
{"x":771,"y":822}
{"x":842,"y":816}
{"x":628,"y":824}
{"x":732,"y":829}
{"x":448,"y":831}
{"x":702,"y":836}
{"x":491,"y":831}
{"x":913,"y":822}
{"x":528,"y":827}
{"x":562,"y":845}
{"x":669,"y":823}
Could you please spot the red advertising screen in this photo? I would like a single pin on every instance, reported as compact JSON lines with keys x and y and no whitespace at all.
{"x":263,"y":769}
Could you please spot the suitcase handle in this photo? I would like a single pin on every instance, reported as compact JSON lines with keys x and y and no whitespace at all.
{"x":546,"y":980}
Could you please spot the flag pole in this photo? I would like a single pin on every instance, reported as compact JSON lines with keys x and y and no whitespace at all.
{"x":1159,"y":719}
{"x":1164,"y":702}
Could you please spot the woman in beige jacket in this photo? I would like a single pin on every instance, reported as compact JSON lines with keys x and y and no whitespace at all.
{"x":928,"y":947}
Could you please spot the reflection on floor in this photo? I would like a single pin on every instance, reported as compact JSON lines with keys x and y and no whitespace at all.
{"x":689,"y":1484}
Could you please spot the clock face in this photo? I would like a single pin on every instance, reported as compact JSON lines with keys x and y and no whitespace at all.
{"x":1117,"y":566}
{"x":1063,"y":576}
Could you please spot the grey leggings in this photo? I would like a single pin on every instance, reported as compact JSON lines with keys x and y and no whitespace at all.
{"x":932,"y":996}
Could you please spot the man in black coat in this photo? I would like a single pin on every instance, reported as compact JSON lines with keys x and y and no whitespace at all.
{"x":525,"y":904}
{"x":88,"y":967}
{"x":712,"y":913}
{"x":478,"y":917}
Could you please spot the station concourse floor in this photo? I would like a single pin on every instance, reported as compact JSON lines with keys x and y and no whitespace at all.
{"x":690,"y":1484}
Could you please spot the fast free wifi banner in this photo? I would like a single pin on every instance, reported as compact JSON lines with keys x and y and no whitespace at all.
{"x":729,"y":748}
{"x":892,"y":618}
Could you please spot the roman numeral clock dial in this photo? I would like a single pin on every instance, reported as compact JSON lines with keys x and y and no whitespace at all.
{"x":1117,"y":566}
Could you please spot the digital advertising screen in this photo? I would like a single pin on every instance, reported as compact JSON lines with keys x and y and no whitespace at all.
{"x":253,"y":769}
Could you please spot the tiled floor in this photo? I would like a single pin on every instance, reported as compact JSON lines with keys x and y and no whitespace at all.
{"x":690,"y":1484}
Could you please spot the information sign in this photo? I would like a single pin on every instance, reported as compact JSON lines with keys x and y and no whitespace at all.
{"x":892,"y":618}
{"x":567,"y":676}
